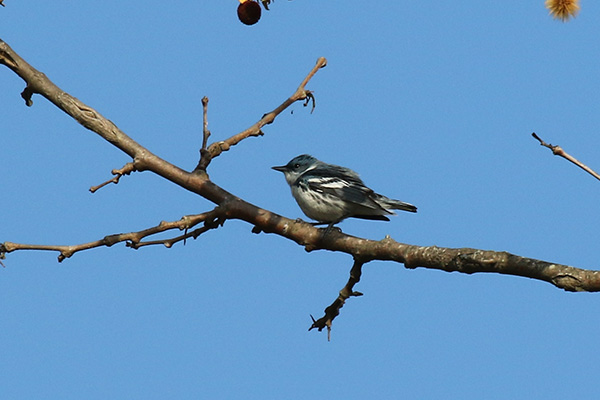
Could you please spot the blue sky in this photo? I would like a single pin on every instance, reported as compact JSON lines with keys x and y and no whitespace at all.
{"x":432,"y":103}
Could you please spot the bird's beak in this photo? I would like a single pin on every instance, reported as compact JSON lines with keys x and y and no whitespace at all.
{"x":281,"y":168}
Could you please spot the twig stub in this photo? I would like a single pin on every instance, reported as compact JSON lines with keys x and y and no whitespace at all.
{"x":558,"y":151}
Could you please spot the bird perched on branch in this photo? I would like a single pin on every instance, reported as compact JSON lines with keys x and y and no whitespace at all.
{"x":329,"y":193}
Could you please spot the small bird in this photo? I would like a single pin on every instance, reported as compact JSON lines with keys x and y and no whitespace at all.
{"x":329,"y":193}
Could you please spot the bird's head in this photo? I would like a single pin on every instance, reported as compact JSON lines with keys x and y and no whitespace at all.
{"x":297,"y":166}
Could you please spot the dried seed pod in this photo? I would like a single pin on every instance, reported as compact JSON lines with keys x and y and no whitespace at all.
{"x":249,"y":12}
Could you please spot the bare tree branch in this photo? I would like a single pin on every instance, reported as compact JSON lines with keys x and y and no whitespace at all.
{"x":301,"y":93}
{"x":212,"y":219}
{"x":463,"y":260}
{"x":558,"y":151}
{"x":334,"y":309}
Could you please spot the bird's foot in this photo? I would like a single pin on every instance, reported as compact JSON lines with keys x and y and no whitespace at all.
{"x":330,"y":228}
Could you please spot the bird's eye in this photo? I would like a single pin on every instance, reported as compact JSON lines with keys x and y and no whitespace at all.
{"x":296,"y":166}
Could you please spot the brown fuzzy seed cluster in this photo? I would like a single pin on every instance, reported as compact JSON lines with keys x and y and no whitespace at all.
{"x":563,"y":9}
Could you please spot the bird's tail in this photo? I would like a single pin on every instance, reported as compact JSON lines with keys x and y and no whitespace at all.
{"x":391,"y":204}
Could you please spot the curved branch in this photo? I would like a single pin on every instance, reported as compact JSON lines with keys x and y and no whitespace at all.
{"x":461,"y":260}
{"x":464,"y":260}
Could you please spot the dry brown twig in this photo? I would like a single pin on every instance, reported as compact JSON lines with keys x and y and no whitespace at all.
{"x":229,"y":206}
{"x":558,"y":151}
{"x":118,"y":173}
{"x":334,"y":309}
{"x":205,"y":156}
{"x":301,"y":93}
{"x":212,"y":219}
{"x":205,"y":131}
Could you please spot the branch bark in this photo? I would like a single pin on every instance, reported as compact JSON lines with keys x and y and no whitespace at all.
{"x":463,"y":260}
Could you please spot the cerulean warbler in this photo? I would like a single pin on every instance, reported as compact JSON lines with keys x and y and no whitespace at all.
{"x":329,"y":193}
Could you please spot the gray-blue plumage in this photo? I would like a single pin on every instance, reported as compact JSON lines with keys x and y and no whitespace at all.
{"x":329,"y":193}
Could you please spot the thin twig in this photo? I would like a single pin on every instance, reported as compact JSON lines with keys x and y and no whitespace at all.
{"x":211,"y":219}
{"x":301,"y":93}
{"x":205,"y":155}
{"x":205,"y":131}
{"x":334,"y":309}
{"x":558,"y":151}
{"x":168,"y":243}
{"x":118,"y":173}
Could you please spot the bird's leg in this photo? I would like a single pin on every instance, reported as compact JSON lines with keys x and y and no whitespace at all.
{"x":331,"y":227}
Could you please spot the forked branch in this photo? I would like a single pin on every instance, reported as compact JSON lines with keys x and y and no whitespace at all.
{"x":212,"y":219}
{"x":215,"y":149}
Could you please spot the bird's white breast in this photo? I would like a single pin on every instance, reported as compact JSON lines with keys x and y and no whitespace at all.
{"x":319,"y":206}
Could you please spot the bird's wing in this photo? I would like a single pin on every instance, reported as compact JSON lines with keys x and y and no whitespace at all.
{"x":341,"y":184}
